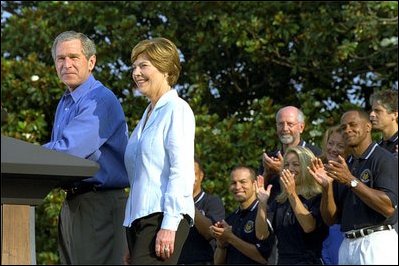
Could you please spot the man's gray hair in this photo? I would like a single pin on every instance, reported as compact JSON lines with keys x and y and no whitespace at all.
{"x":89,"y":48}
{"x":300,"y":117}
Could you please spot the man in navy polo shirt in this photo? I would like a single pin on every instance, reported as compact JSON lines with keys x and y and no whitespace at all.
{"x":236,"y":239}
{"x":199,"y":246}
{"x":384,"y":118}
{"x":363,"y":197}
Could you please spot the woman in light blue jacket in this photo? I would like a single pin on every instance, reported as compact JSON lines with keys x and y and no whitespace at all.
{"x":159,"y":159}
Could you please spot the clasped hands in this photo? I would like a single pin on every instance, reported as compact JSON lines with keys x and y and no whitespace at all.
{"x":221,"y":231}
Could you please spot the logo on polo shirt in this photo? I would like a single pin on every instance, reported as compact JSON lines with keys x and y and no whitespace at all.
{"x":365,"y":176}
{"x":249,"y":227}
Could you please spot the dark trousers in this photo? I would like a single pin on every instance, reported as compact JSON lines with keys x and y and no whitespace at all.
{"x":141,"y":238}
{"x":90,"y":228}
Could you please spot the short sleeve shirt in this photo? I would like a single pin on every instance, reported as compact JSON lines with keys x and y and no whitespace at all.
{"x":243,"y":226}
{"x":294,"y":245}
{"x":376,"y":168}
{"x":390,"y":144}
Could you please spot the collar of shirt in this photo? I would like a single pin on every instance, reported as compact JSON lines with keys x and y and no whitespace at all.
{"x":370,"y":149}
{"x":391,"y":139}
{"x":164,"y":99}
{"x":301,"y":143}
{"x":82,"y":89}
{"x":199,"y":197}
{"x":251,"y":208}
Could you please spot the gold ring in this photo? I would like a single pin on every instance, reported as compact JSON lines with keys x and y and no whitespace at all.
{"x":335,"y":172}
{"x":166,"y":249}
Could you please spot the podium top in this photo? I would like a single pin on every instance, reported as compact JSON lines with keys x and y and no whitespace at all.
{"x":29,"y":172}
{"x":20,"y":157}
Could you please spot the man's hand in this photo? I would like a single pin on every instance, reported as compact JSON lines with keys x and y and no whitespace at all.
{"x":272,"y":164}
{"x":261,"y":193}
{"x":339,"y":171}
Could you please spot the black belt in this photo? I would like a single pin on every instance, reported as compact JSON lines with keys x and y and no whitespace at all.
{"x":366,"y":231}
{"x":73,"y":191}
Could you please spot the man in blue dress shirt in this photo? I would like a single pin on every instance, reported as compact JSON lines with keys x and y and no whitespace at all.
{"x":89,"y":123}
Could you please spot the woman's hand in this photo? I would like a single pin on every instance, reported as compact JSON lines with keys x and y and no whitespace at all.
{"x":165,"y":243}
{"x":288,"y":181}
{"x":317,"y":170}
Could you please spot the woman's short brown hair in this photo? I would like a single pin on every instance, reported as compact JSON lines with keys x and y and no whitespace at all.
{"x":163,"y":54}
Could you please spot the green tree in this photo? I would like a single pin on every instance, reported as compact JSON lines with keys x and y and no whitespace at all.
{"x":241,"y":62}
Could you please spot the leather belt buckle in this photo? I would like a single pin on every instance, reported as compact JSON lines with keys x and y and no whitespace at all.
{"x":351,"y":235}
{"x":367,"y":231}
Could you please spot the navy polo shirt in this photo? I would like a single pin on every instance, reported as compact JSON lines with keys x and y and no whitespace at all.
{"x":196,"y":249}
{"x":390,"y":144}
{"x":275,"y":178}
{"x":243,"y":226}
{"x":377,"y":168}
{"x":294,"y":245}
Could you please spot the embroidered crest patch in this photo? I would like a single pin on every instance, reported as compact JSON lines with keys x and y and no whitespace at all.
{"x":249,"y":227}
{"x":366,"y":176}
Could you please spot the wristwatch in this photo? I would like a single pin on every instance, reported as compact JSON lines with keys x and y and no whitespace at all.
{"x":354,"y":183}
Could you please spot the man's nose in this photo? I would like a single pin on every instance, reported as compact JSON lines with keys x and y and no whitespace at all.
{"x":67,"y":62}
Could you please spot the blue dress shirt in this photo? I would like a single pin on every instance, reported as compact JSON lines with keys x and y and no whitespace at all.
{"x":90,"y":123}
{"x":159,"y":160}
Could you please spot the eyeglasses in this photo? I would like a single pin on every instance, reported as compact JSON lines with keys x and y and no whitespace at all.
{"x":289,"y":124}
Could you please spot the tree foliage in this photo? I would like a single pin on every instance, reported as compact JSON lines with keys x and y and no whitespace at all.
{"x":241,"y":62}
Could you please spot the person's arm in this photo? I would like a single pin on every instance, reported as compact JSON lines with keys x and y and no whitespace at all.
{"x":304,"y":217}
{"x":328,"y":208}
{"x":261,"y":227}
{"x":225,"y":236}
{"x":88,"y":130}
{"x":214,"y":211}
{"x":219,"y":256}
{"x":178,"y":140}
{"x":248,"y":249}
{"x":376,"y":199}
{"x":216,"y":231}
{"x":202,"y":224}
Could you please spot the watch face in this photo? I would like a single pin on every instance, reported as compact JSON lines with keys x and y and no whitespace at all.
{"x":354,"y":183}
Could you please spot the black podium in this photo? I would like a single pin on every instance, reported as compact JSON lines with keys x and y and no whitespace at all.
{"x":28,"y":173}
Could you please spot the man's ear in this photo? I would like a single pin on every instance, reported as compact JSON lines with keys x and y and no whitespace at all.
{"x":302,"y":127}
{"x":369,"y":127}
{"x":92,"y":62}
{"x":395,"y":115}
